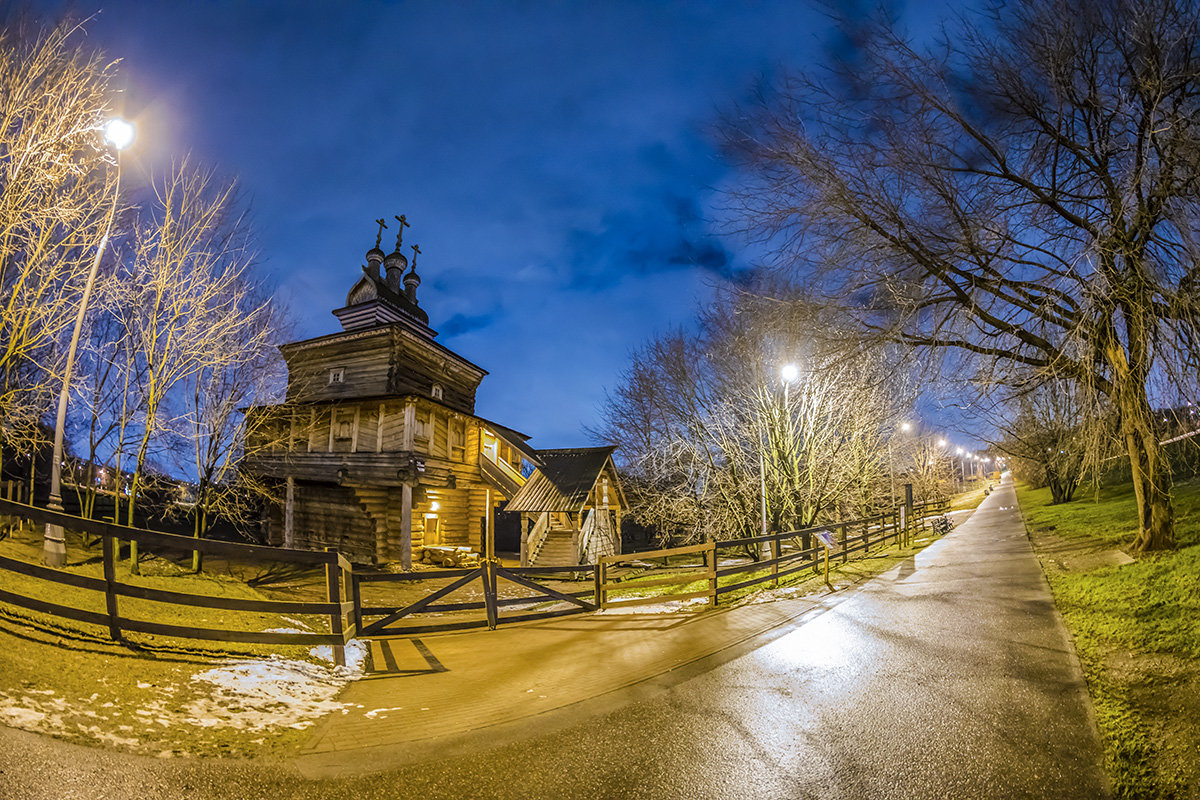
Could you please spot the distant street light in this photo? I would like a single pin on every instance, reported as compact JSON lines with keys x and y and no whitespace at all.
{"x":118,"y":134}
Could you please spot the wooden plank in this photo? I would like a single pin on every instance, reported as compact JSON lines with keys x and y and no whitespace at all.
{"x":164,"y":540}
{"x":423,"y":602}
{"x":109,"y":546}
{"x":46,"y":607}
{"x":501,"y":572}
{"x":213,"y":634}
{"x":671,"y":551}
{"x":333,"y":590}
{"x":406,"y":493}
{"x":289,"y":513}
{"x":489,"y":593}
{"x":391,"y":577}
{"x":379,"y":428}
{"x":49,"y":574}
{"x":576,"y":568}
{"x":224,"y":603}
{"x":354,"y":430}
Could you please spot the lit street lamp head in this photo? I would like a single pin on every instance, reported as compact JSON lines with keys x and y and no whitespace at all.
{"x":941,"y":442}
{"x":789,"y":373}
{"x":118,"y":133}
{"x":906,"y":426}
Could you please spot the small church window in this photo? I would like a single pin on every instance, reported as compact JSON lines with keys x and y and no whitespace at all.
{"x":436,"y":391}
{"x":337,"y":375}
{"x":458,"y":440}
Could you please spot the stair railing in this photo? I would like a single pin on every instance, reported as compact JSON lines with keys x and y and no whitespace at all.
{"x":585,"y":537}
{"x":537,"y":537}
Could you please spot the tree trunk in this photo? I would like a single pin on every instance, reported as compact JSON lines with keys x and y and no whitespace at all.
{"x":198,"y":531}
{"x":1151,"y":474}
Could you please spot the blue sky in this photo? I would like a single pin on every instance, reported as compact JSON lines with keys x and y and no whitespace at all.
{"x":555,"y":161}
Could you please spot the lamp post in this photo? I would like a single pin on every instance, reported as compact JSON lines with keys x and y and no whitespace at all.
{"x":906,"y":427}
{"x":118,"y":134}
{"x":789,"y":373}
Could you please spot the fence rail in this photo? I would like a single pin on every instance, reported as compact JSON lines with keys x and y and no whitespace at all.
{"x":779,"y":555}
{"x":337,"y":571}
{"x":790,"y":552}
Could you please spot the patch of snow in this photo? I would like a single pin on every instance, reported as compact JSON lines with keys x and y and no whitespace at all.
{"x":356,"y":654}
{"x":263,"y":694}
{"x":297,"y":623}
{"x":374,"y":712}
{"x":667,"y":607}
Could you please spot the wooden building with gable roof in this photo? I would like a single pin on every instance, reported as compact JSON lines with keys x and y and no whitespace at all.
{"x":570,"y":508}
{"x":381,"y":452}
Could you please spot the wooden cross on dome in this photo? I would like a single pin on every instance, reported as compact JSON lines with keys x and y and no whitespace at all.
{"x":416,"y":248}
{"x":379,"y":236}
{"x":402,"y":219}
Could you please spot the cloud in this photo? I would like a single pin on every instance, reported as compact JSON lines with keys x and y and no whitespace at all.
{"x":461,"y":323}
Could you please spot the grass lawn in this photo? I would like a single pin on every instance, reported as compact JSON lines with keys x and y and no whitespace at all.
{"x":1136,"y":627}
{"x":150,"y":694}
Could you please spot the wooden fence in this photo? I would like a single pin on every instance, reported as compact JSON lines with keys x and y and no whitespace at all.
{"x":489,"y":573}
{"x":337,"y":578}
{"x":780,"y":555}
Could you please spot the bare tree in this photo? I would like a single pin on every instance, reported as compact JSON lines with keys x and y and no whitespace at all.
{"x":1025,"y":196}
{"x":188,"y":311}
{"x":54,"y":190}
{"x":1052,"y":437}
{"x":217,"y":432}
{"x":715,"y":441}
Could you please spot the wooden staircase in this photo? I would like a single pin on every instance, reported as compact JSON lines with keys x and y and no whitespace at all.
{"x":557,"y":550}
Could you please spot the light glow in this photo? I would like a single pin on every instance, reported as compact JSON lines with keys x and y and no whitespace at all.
{"x":118,"y":133}
{"x":789,"y":373}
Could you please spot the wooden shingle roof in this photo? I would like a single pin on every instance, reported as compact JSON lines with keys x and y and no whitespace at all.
{"x":564,"y":480}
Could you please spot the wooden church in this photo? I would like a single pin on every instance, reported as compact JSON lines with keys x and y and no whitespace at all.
{"x":380,"y":452}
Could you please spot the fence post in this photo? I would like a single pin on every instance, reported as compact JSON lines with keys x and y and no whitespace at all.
{"x":356,"y":598}
{"x":844,"y":543}
{"x":110,"y":589}
{"x":333,"y":592}
{"x":598,"y":580}
{"x":711,"y":557}
{"x":489,"y":593}
{"x":775,"y":562}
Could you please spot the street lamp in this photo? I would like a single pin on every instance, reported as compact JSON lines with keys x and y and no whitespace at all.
{"x":789,"y":373}
{"x":118,"y":134}
{"x":906,"y":427}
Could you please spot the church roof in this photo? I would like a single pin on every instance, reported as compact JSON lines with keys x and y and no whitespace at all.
{"x":371,"y":302}
{"x":564,"y":480}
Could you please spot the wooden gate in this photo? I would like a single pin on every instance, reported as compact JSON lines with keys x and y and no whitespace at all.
{"x":489,"y":574}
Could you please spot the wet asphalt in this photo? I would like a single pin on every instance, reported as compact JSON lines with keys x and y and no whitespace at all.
{"x":948,"y":677}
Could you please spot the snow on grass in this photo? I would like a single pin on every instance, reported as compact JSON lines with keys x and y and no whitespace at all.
{"x":666,"y":607}
{"x":276,"y":692}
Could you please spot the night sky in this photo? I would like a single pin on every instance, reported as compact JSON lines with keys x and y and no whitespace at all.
{"x":556,"y":161}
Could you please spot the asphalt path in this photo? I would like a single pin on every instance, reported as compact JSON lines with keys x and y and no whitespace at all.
{"x":949,"y":677}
